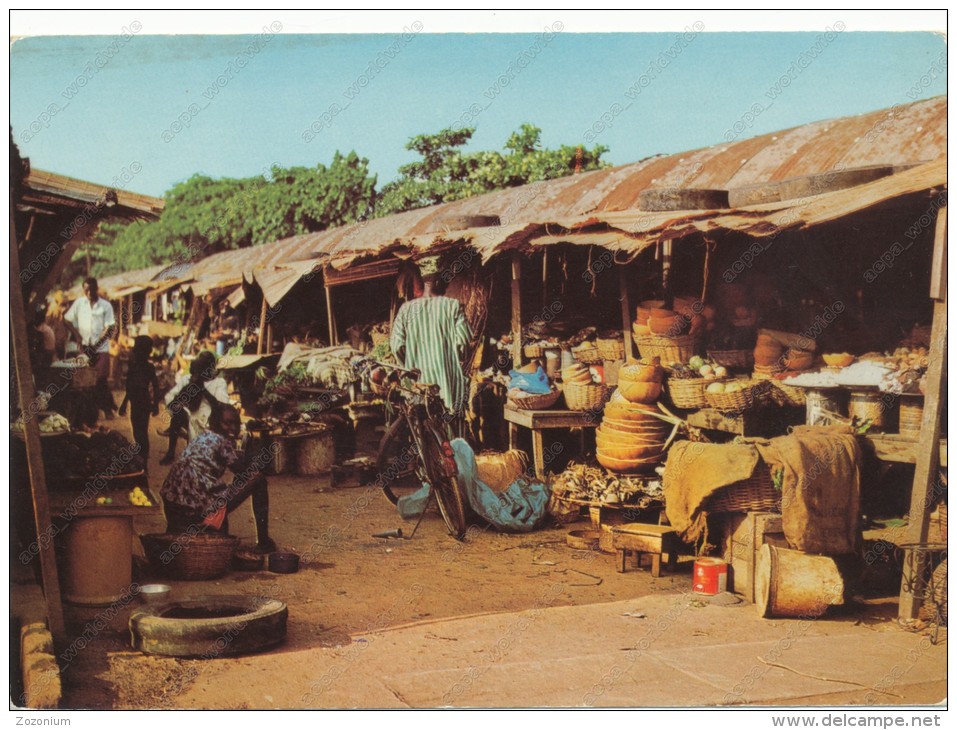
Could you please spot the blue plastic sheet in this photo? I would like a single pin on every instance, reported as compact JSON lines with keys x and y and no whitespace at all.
{"x":535,"y":383}
{"x":520,"y":508}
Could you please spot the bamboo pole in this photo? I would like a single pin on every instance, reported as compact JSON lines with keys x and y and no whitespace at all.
{"x":262,"y":327}
{"x":31,"y":432}
{"x":923,"y":496}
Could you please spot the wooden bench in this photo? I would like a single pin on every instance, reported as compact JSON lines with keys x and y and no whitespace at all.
{"x":640,"y":538}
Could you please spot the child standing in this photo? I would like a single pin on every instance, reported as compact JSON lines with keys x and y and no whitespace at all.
{"x":142,"y":393}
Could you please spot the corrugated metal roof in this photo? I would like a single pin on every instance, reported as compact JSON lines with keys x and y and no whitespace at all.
{"x":903,"y":135}
{"x":82,"y":192}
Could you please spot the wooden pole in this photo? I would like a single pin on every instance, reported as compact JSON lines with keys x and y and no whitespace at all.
{"x":625,"y":313}
{"x":666,"y":274}
{"x":31,"y":432}
{"x":924,"y":494}
{"x":516,"y":309}
{"x":333,"y":335}
{"x":544,"y":279}
{"x":262,"y":327}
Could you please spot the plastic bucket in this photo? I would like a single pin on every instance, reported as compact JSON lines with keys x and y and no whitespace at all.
{"x":710,"y":576}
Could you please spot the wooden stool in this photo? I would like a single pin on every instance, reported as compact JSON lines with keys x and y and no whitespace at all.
{"x":639,"y":538}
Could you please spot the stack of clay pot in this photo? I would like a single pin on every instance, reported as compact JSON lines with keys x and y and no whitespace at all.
{"x":631,"y":438}
{"x":651,"y":318}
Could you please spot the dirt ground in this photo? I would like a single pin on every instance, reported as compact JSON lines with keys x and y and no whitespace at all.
{"x":349,"y":583}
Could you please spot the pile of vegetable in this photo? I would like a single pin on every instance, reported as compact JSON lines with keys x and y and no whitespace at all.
{"x":584,"y":483}
{"x":54,"y":423}
{"x":697,"y":367}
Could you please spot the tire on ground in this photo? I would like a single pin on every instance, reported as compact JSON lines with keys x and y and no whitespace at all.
{"x":255,"y":623}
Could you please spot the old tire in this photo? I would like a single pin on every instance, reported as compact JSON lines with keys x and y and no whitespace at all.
{"x":213,"y":626}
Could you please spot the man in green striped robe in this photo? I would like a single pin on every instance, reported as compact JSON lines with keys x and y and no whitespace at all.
{"x":430,"y":334}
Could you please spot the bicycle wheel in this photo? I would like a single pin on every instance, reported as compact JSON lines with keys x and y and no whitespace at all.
{"x":443,"y":477}
{"x":397,"y":461}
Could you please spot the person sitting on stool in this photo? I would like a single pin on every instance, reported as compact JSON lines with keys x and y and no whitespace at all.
{"x":195,"y":497}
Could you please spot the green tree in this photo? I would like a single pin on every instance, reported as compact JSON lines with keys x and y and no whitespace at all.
{"x":446,"y":173}
{"x":205,"y":215}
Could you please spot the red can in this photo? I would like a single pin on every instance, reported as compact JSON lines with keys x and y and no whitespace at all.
{"x":710,"y":576}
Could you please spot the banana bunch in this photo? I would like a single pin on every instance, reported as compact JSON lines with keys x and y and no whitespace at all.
{"x":139,"y":498}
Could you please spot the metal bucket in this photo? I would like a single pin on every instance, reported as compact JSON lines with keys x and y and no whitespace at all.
{"x":710,"y":576}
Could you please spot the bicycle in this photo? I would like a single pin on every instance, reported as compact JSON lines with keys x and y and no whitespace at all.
{"x":416,"y":448}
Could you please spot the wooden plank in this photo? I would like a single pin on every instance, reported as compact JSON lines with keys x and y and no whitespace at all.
{"x":516,"y":309}
{"x":362,"y":272}
{"x":625,"y":313}
{"x":550,"y":418}
{"x":938,"y":271}
{"x":926,"y":467}
{"x":31,"y":432}
{"x":899,"y":449}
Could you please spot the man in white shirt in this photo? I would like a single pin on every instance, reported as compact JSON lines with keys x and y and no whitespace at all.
{"x":91,"y":323}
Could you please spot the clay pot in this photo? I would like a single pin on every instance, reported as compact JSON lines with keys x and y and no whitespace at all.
{"x":642,"y":372}
{"x":639,"y":392}
{"x":630,"y":466}
{"x":632,"y":453}
{"x":799,"y":359}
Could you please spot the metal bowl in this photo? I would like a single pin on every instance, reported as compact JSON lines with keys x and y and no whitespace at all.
{"x":155,"y":593}
{"x":283,"y":562}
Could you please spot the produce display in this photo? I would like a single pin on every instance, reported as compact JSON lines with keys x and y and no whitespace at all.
{"x":53,"y":423}
{"x":103,"y":453}
{"x":591,"y":484}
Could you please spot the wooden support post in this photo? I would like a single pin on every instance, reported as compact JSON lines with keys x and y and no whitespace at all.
{"x":544,"y":279}
{"x":666,"y":274}
{"x":625,"y":313}
{"x":516,"y":309}
{"x":31,"y":433}
{"x":262,"y":327}
{"x":924,"y":494}
{"x":333,"y":334}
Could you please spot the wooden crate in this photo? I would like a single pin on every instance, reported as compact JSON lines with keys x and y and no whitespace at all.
{"x":744,"y":534}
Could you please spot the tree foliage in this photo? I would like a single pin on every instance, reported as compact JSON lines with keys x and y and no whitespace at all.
{"x":205,"y":215}
{"x":447,"y":173}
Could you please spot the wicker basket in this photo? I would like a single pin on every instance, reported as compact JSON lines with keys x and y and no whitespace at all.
{"x":83,"y":378}
{"x":911,"y":416}
{"x":769,"y":369}
{"x":782,"y":394}
{"x":732,"y":359}
{"x":533,"y":351}
{"x":184,"y":557}
{"x":741,"y":400}
{"x":587,"y":354}
{"x":587,"y":397}
{"x":537,"y":402}
{"x":669,"y":349}
{"x":689,"y":393}
{"x":755,"y":494}
{"x":867,"y":405}
{"x":611,"y":349}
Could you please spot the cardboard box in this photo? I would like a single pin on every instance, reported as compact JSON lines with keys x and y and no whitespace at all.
{"x":744,"y":536}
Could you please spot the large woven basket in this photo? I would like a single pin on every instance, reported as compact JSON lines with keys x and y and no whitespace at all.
{"x":536,"y":402}
{"x":911,"y":416}
{"x":587,"y":397}
{"x":611,"y":349}
{"x":732,"y":359}
{"x":740,"y":401}
{"x":190,"y":557}
{"x":669,"y":349}
{"x":689,"y":393}
{"x":587,"y":354}
{"x":755,"y":494}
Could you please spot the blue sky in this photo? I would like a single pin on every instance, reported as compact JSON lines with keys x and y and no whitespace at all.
{"x":233,"y":105}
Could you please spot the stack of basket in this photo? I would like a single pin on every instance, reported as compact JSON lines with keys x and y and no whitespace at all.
{"x":611,"y":348}
{"x":587,"y":353}
{"x":670,"y":334}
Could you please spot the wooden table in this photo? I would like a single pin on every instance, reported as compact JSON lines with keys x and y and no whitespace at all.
{"x":639,"y":538}
{"x":762,"y":422}
{"x":538,"y":421}
{"x":900,"y":449}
